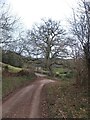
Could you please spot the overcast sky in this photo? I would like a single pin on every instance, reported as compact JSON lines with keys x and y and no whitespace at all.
{"x":31,"y":11}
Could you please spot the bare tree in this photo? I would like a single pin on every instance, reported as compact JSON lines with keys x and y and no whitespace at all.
{"x":8,"y":26}
{"x":80,"y":27}
{"x":48,"y":41}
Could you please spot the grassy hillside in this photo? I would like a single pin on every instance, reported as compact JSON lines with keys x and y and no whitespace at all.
{"x":11,"y":68}
{"x":12,"y":58}
{"x":14,"y":77}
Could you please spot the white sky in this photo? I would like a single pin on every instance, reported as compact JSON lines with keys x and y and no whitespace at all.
{"x":31,"y":11}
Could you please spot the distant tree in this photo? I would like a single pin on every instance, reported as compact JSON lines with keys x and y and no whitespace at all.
{"x":22,"y":45}
{"x":12,"y":58}
{"x":47,"y":40}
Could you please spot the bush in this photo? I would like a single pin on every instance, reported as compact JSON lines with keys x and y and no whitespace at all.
{"x":6,"y":68}
{"x":64,"y":75}
{"x":25,"y":73}
{"x":69,"y":75}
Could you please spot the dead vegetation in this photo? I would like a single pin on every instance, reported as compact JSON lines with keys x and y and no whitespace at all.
{"x":64,"y":100}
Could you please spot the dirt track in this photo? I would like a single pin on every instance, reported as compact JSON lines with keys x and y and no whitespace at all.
{"x":25,"y":103}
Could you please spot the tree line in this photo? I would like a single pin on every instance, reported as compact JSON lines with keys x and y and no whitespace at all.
{"x":49,"y":39}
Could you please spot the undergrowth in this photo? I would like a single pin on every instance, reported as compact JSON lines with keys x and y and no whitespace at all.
{"x":65,"y":100}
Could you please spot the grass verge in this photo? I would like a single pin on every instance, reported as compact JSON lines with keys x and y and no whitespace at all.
{"x":14,"y":78}
{"x":64,"y":100}
{"x":11,"y":83}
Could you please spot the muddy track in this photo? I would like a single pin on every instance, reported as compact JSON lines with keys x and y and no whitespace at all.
{"x":26,"y":102}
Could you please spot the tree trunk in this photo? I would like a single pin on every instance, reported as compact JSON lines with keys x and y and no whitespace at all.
{"x":88,"y":65}
{"x":87,"y":55}
{"x":50,"y":70}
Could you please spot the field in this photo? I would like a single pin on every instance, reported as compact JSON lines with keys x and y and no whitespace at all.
{"x":63,"y":73}
{"x":11,"y":68}
{"x":15,"y":78}
{"x":65,"y":100}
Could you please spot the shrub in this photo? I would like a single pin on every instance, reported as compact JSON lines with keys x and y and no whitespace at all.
{"x":6,"y":68}
{"x":25,"y":73}
{"x":69,"y":74}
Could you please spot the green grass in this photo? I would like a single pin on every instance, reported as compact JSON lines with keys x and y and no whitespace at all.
{"x":14,"y":69}
{"x":60,"y":70}
{"x":11,"y":83}
{"x":63,"y":73}
{"x":11,"y":68}
{"x":12,"y":79}
{"x":64,"y":99}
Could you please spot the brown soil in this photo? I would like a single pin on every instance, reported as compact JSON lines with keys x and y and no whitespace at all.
{"x":25,"y":103}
